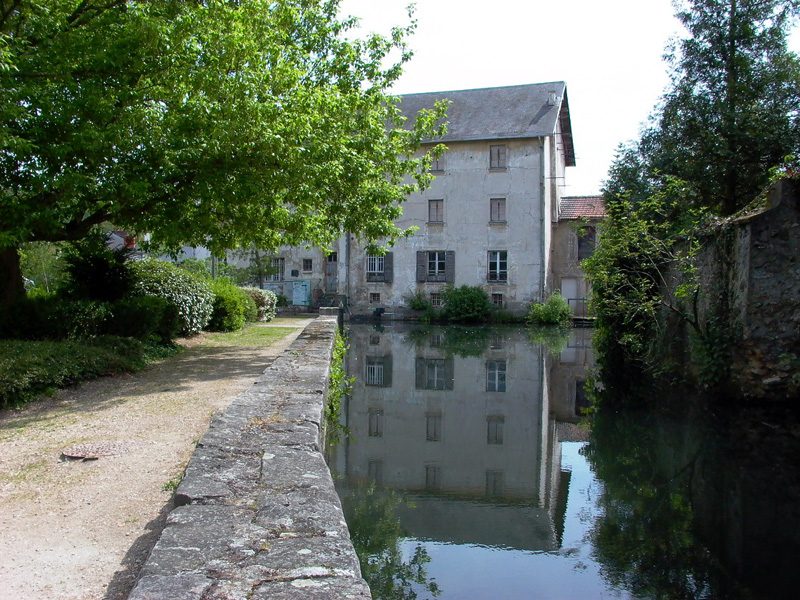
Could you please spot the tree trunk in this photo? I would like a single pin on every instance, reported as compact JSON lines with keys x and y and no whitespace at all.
{"x":12,"y":289}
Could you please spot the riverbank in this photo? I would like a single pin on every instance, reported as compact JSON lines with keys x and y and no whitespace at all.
{"x":78,"y":530}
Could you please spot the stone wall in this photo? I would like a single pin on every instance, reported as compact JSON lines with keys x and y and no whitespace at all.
{"x":257,"y":515}
{"x":749,"y":276}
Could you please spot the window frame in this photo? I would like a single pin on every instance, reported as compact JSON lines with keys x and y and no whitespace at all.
{"x":496,"y":375}
{"x":495,"y":271}
{"x":439,"y":259}
{"x":278,"y":265}
{"x":376,"y":267}
{"x":495,"y":425}
{"x":310,"y":262}
{"x":438,"y":212}
{"x":498,"y":157}
{"x":500,"y":202}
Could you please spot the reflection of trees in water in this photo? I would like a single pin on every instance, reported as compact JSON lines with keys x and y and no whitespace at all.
{"x":644,"y":539}
{"x":375,"y":530}
{"x":465,"y":342}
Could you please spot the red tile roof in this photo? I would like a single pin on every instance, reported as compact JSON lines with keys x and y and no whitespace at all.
{"x":582,"y":207}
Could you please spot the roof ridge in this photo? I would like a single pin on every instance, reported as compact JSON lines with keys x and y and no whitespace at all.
{"x":481,"y":89}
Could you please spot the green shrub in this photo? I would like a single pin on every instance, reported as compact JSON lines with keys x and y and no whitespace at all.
{"x":30,"y":368}
{"x":143,"y":317}
{"x":418,"y":301}
{"x":466,"y":304}
{"x":555,"y":311}
{"x":282,"y":300}
{"x":265,"y":302}
{"x":230,"y":306}
{"x":95,"y":272}
{"x":192,"y":298}
{"x":48,"y":317}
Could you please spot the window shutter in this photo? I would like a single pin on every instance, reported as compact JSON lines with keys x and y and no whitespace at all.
{"x":420,"y":373}
{"x":450,"y":266}
{"x":388,"y":267}
{"x":448,"y":373}
{"x":422,"y":266}
{"x":387,"y":370}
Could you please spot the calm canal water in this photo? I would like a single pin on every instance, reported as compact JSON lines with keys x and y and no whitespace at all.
{"x":465,"y":474}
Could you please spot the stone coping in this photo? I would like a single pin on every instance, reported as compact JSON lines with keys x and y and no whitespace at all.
{"x":257,"y":515}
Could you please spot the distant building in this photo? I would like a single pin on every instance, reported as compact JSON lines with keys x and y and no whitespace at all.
{"x":574,"y":240}
{"x":487,"y":220}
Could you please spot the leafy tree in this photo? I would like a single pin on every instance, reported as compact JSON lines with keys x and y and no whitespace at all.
{"x":733,"y":110}
{"x":210,"y":123}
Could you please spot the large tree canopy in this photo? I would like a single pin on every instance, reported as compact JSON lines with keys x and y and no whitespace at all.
{"x":211,"y":122}
{"x":733,"y":109}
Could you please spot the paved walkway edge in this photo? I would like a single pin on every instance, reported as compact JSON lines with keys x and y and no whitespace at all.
{"x":257,"y":515}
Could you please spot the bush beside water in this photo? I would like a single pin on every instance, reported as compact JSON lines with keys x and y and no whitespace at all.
{"x":555,"y":311}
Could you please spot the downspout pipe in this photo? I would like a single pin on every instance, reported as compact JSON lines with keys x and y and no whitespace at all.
{"x":543,"y":207}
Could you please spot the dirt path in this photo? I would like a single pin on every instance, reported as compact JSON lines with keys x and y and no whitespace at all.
{"x":81,"y":529}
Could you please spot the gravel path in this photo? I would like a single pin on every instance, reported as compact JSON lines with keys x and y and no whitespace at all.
{"x":72,"y":529}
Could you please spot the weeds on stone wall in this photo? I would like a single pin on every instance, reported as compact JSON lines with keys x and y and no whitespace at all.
{"x":339,"y":385}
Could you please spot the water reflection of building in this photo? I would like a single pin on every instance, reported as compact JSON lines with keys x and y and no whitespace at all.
{"x":567,"y":373}
{"x":472,"y":436}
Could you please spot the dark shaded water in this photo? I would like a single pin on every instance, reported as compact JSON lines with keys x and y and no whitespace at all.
{"x":465,"y":475}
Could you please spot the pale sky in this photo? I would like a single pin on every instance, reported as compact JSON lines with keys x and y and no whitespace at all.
{"x":609,"y":53}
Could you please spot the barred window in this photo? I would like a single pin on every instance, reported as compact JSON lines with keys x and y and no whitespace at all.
{"x":374,"y":374}
{"x":277,"y":266}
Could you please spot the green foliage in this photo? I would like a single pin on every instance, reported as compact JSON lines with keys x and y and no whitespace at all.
{"x":644,"y":538}
{"x":217,"y":123}
{"x":191,"y":297}
{"x":555,"y":311}
{"x":418,"y":301}
{"x":96,"y":272}
{"x":265,"y":302}
{"x":43,"y":264}
{"x":231,"y":306}
{"x":281,"y":301}
{"x":144,"y":317}
{"x":733,"y":110}
{"x":52,"y":317}
{"x":339,"y":385}
{"x":466,"y":304}
{"x":28,"y":369}
{"x":555,"y":339}
{"x":375,"y":530}
{"x":455,"y":340}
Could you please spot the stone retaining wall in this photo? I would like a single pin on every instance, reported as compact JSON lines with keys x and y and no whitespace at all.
{"x":257,"y":515}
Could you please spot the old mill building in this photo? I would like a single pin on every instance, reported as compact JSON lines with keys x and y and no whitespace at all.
{"x":489,"y":218}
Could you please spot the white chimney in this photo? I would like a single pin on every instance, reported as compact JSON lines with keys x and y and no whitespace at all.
{"x":551,"y":98}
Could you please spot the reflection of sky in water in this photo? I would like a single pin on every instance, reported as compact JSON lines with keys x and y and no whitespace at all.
{"x":479,"y":572}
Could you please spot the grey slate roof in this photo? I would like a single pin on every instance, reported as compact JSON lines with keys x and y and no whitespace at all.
{"x":501,"y":113}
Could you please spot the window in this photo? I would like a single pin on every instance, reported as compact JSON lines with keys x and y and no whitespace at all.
{"x":498,"y":265}
{"x":374,"y":339}
{"x":374,"y":374}
{"x":436,"y":266}
{"x":436,"y":299}
{"x":379,"y":267}
{"x":375,"y":422}
{"x":586,"y":242}
{"x":498,"y":157}
{"x":433,"y":477}
{"x":375,"y":471}
{"x":494,"y":429}
{"x":435,"y":211}
{"x":497,"y":300}
{"x":332,"y":257}
{"x":434,"y":373}
{"x":497,"y":210}
{"x":277,"y":266}
{"x":494,"y":483}
{"x":496,"y":376}
{"x":437,"y":165}
{"x":437,"y":339}
{"x":497,"y":342}
{"x":378,"y":370}
{"x":433,"y":427}
{"x":374,"y":298}
{"x":307,"y":262}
